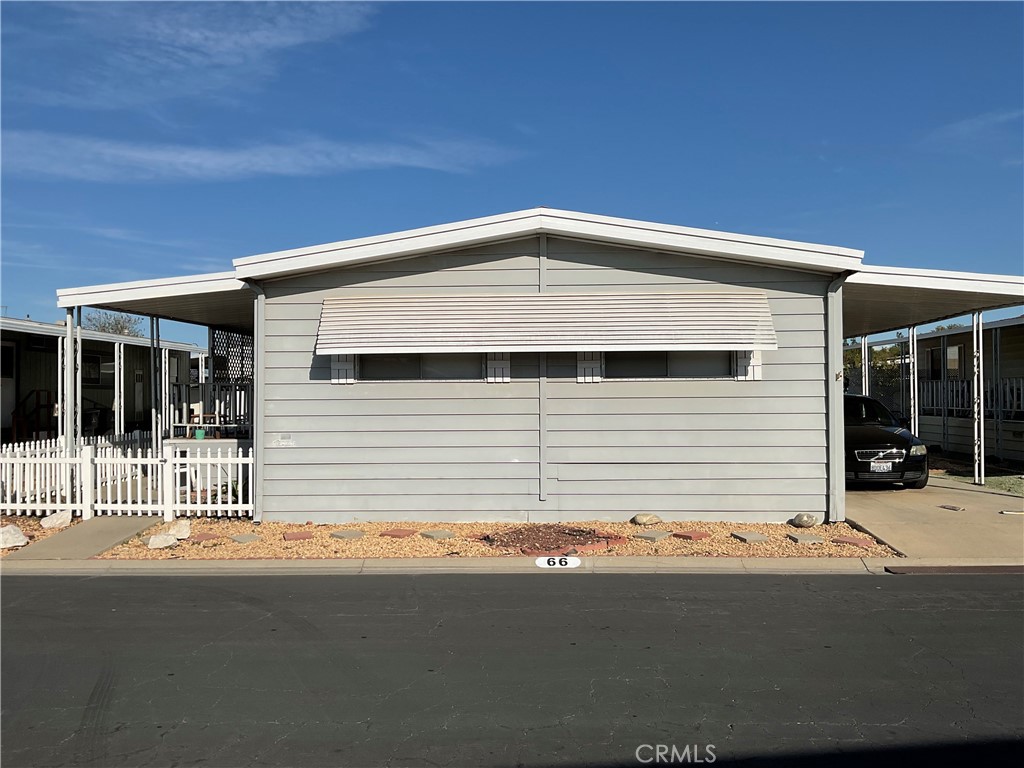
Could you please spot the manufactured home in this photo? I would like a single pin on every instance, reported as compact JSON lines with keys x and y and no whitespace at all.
{"x":548,"y":365}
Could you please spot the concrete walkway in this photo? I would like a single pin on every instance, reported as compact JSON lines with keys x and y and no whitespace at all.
{"x":88,"y":538}
{"x":915,"y":524}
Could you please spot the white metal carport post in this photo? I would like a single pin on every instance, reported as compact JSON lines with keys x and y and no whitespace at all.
{"x":915,"y":422}
{"x":865,"y":377}
{"x":978,"y":401}
{"x":69,"y":392}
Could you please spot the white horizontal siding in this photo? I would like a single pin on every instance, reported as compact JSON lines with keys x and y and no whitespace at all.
{"x":437,"y":450}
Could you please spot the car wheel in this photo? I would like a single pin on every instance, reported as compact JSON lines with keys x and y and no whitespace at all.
{"x":918,"y":484}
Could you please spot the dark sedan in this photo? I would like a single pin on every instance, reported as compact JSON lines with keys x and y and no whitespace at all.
{"x":879,"y":449}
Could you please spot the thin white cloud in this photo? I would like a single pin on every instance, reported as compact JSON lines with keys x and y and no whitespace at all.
{"x":991,"y":136}
{"x":120,"y":55}
{"x":40,"y":153}
{"x":972,"y":126}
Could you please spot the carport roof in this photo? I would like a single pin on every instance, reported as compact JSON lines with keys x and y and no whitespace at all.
{"x":879,"y":299}
{"x":217,"y":300}
{"x":876,"y":299}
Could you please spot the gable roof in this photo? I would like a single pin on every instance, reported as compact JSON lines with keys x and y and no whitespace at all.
{"x":876,"y":299}
{"x":550,"y":221}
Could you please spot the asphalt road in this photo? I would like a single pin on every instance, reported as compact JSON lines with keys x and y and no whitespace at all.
{"x":551,"y":669}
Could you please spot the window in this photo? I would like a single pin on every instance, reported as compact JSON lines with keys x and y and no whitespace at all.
{"x":413,"y":367}
{"x":681,"y":365}
{"x":7,"y":361}
{"x":954,"y":368}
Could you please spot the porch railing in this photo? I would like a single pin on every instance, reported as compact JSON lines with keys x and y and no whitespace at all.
{"x":1004,"y":399}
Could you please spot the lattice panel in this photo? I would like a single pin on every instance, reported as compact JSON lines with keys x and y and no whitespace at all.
{"x":232,"y":357}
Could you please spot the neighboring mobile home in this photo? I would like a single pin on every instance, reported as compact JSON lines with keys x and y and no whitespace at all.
{"x":116,"y":383}
{"x":548,"y":365}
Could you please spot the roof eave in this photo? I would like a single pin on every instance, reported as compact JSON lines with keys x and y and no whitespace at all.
{"x":662,"y":237}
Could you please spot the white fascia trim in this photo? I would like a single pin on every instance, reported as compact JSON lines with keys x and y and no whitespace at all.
{"x":98,"y":295}
{"x":394,"y":245}
{"x":1011,"y":286}
{"x":12,"y":325}
{"x":649,"y":235}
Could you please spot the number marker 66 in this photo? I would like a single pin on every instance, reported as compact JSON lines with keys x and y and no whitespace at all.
{"x":558,"y":562}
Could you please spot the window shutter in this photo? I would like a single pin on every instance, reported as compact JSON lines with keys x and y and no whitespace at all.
{"x":589,"y":367}
{"x":748,"y":365}
{"x":499,"y":367}
{"x":343,"y":369}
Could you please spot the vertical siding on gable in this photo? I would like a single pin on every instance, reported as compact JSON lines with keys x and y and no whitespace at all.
{"x":437,"y":450}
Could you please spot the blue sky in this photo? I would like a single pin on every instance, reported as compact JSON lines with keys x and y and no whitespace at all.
{"x":149,"y":139}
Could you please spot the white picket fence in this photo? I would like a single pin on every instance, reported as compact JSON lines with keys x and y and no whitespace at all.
{"x":104,"y":479}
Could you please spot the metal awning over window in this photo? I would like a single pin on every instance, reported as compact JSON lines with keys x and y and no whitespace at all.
{"x":546,"y":322}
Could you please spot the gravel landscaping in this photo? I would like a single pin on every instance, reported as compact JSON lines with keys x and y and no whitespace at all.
{"x":599,"y":539}
{"x":32,"y":529}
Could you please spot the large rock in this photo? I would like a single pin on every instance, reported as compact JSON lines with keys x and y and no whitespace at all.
{"x":60,"y":519}
{"x":804,"y":520}
{"x":11,"y":536}
{"x":180,"y":529}
{"x":645,"y":518}
{"x":162,"y":541}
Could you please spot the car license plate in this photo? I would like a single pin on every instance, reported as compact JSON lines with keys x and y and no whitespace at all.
{"x":881,"y":466}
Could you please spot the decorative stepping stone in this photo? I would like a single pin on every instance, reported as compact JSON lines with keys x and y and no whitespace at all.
{"x":180,"y":529}
{"x":653,"y":535}
{"x":438,"y":534}
{"x":616,"y":541}
{"x":750,"y":537}
{"x":347,"y":535}
{"x":60,"y":519}
{"x":199,"y":538}
{"x":398,"y":533}
{"x":597,"y":546}
{"x":245,"y":538}
{"x":11,"y":536}
{"x":804,"y":538}
{"x":862,"y":543}
{"x":298,"y":535}
{"x":692,"y":535}
{"x":162,"y":541}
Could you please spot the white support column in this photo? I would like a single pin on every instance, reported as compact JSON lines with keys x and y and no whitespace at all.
{"x":68,"y":390}
{"x":153,"y":421}
{"x":78,"y":376}
{"x":166,"y":409}
{"x":161,"y":393}
{"x":915,"y":420}
{"x":61,"y":344}
{"x":865,"y":374}
{"x":119,"y":425}
{"x":978,"y":399}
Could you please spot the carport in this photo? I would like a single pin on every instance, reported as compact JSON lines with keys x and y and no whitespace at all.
{"x":881,"y":299}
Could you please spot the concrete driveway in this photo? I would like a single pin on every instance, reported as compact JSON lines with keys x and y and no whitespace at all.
{"x":915,"y":524}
